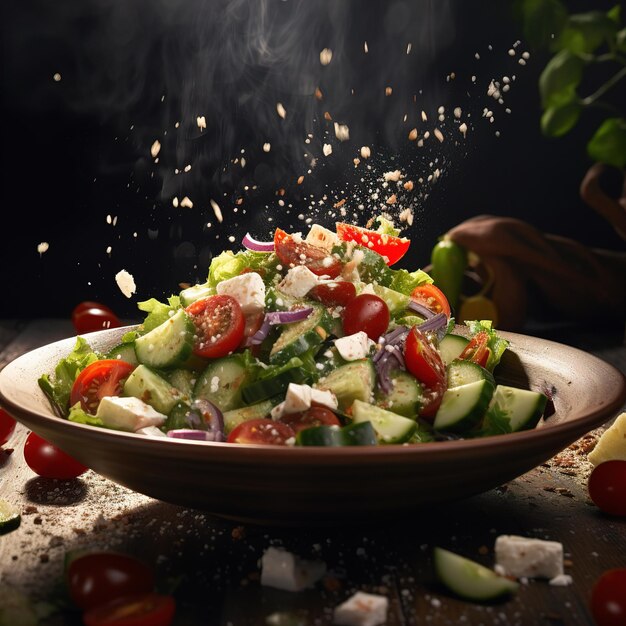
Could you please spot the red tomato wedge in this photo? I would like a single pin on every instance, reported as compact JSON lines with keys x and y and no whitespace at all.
{"x":292,"y":252}
{"x":100,"y":379}
{"x":389,"y":246}
{"x":220,"y":325}
{"x":315,"y":416}
{"x":263,"y":431}
{"x":424,"y":362}
{"x":147,"y":609}
{"x":477,"y":349}
{"x":433,"y":298}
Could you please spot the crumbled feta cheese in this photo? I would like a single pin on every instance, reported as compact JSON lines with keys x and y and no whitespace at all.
{"x":394,"y":176}
{"x":362,"y":609}
{"x":151,"y":431}
{"x":284,"y":570}
{"x":562,"y":580}
{"x":354,"y":347}
{"x":533,"y":558}
{"x":248,"y":289}
{"x":280,"y":109}
{"x":327,"y":149}
{"x":155,"y":148}
{"x":300,"y":397}
{"x":322,"y":238}
{"x":326,"y":56}
{"x":342,"y":132}
{"x":43,"y":247}
{"x":126,"y":283}
{"x":298,"y":281}
{"x":128,"y":413}
{"x":216,"y":209}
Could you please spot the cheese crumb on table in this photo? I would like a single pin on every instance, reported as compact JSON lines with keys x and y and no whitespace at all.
{"x":362,"y":609}
{"x":528,"y":557}
{"x":284,"y":570}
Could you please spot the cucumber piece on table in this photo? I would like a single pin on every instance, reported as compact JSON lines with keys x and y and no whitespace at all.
{"x":221,"y":382}
{"x":390,"y":427}
{"x":147,"y":385}
{"x":463,"y":407}
{"x":462,"y":372}
{"x":406,"y":396}
{"x":10,"y":517}
{"x":124,"y":352}
{"x":169,"y":344}
{"x":353,"y":381}
{"x":451,"y":346}
{"x":523,"y":407}
{"x":469,"y":579}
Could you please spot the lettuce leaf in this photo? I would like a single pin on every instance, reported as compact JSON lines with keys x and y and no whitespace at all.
{"x":81,"y":417}
{"x":405,"y":282}
{"x":497,"y":345}
{"x":229,"y":264}
{"x":58,"y":386}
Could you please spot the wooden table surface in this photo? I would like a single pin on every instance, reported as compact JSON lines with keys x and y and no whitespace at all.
{"x":212,"y":565}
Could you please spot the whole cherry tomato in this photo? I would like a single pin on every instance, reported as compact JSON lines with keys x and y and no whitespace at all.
{"x":91,"y":316}
{"x":368,"y":313}
{"x":7,"y":426}
{"x":607,"y":487}
{"x":49,"y":461}
{"x":608,"y":598}
{"x":96,"y":578}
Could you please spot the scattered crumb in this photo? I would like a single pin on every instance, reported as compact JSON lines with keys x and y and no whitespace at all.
{"x":126,"y":283}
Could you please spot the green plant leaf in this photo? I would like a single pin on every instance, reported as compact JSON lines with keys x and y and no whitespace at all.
{"x":608,"y":145}
{"x":541,"y":21}
{"x":585,"y":32}
{"x":558,"y":120}
{"x":559,"y":79}
{"x":616,"y":14}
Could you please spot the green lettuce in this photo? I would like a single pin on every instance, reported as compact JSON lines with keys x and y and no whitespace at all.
{"x":81,"y":417}
{"x":229,"y":264}
{"x":405,"y":282}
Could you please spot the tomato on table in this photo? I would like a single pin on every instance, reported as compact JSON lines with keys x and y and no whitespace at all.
{"x":95,"y":578}
{"x":368,"y":313}
{"x":7,"y":426}
{"x":90,"y":316}
{"x":263,"y":431}
{"x":220,"y":325}
{"x":292,"y":252}
{"x":432,"y":297}
{"x":607,"y":487}
{"x":389,"y":246}
{"x":49,"y":461}
{"x":336,"y":293}
{"x":145,"y":609}
{"x":477,"y":350}
{"x":424,"y":362}
{"x":97,"y":380}
{"x":317,"y":415}
{"x":608,"y":598}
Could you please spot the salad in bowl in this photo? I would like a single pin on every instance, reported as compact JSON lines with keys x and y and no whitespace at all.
{"x":301,"y":341}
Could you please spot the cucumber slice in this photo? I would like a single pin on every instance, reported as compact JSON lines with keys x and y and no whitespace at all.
{"x":10,"y":517}
{"x":451,"y":346}
{"x":124,"y":352}
{"x":274,"y":381}
{"x":195,"y":292}
{"x":396,"y":302}
{"x":183,"y":379}
{"x":169,"y":344}
{"x":235,"y":417}
{"x":147,"y":385}
{"x":350,"y":382}
{"x":300,"y":337}
{"x":221,"y":382}
{"x":463,"y":407}
{"x":390,"y":427}
{"x":523,"y":407}
{"x":406,"y":396}
{"x":469,"y":579}
{"x":361,"y":434}
{"x":462,"y":372}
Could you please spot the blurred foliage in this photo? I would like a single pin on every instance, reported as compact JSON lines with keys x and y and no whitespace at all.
{"x":587,"y":50}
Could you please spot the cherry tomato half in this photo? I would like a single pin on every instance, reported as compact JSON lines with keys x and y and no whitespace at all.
{"x":7,"y":426}
{"x":393,"y":248}
{"x":424,"y":362}
{"x":368,"y":313}
{"x":263,"y":431}
{"x":220,"y":325}
{"x":96,"y":578}
{"x":607,"y":488}
{"x":608,"y":598}
{"x":477,"y":349}
{"x":336,"y":293}
{"x":100,"y":379}
{"x":315,"y":416}
{"x":144,"y":609}
{"x":91,"y":316}
{"x":49,"y":461}
{"x":433,"y":298}
{"x":292,"y":252}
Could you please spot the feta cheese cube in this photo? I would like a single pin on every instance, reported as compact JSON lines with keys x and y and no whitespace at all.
{"x":130,"y":413}
{"x":248,"y":289}
{"x":322,"y":238}
{"x":524,"y":557}
{"x":354,"y":347}
{"x":283,"y":570}
{"x":299,"y":398}
{"x":151,"y":431}
{"x":298,"y":282}
{"x":362,"y":609}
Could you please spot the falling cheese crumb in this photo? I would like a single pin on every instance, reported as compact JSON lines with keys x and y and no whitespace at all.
{"x":216,"y":209}
{"x":438,"y":134}
{"x":43,"y":247}
{"x":463,"y":128}
{"x":126,"y":283}
{"x":327,"y":149}
{"x":155,"y":148}
{"x":413,"y":134}
{"x":201,"y":122}
{"x":175,"y":202}
{"x":388,"y":91}
{"x":394,"y":176}
{"x":186,"y":202}
{"x":267,"y":147}
{"x":365,"y":152}
{"x":342,"y":132}
{"x":326,"y":56}
{"x":280,"y":109}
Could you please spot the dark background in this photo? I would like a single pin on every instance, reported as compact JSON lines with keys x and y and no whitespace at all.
{"x":77,"y":150}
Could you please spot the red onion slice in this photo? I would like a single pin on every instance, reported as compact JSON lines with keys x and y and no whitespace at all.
{"x":434,"y":323}
{"x":255,"y":245}
{"x":277,"y":317}
{"x":420,"y":309}
{"x":190,"y":434}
